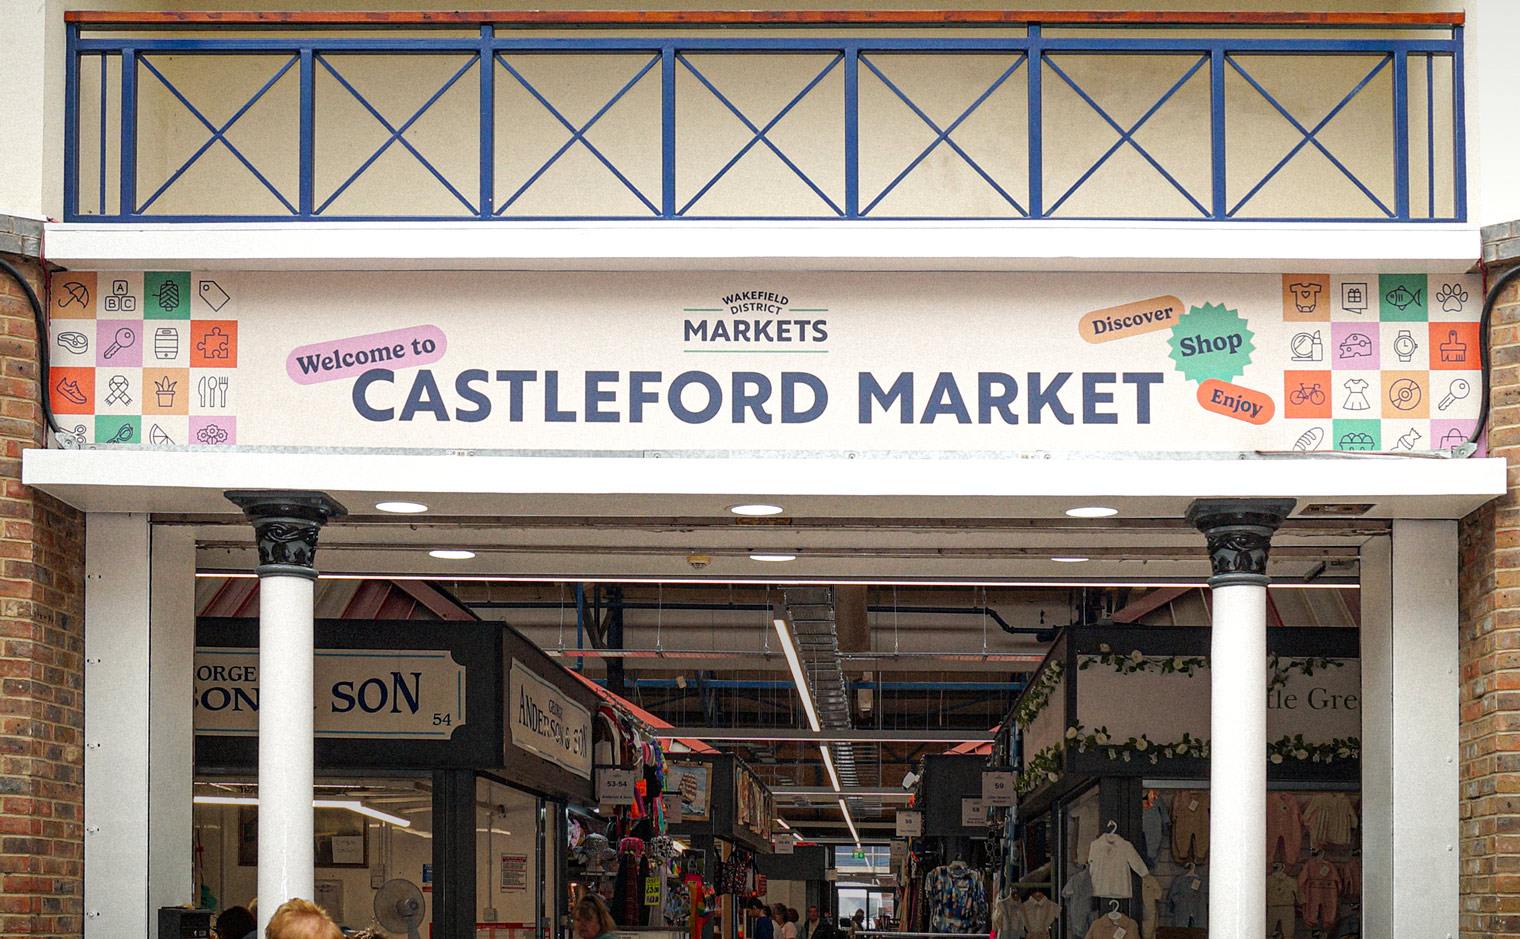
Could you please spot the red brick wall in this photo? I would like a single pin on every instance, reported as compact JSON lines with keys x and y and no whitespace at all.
{"x":41,"y":660}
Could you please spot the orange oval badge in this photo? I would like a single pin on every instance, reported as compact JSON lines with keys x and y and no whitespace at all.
{"x":1243,"y":404}
{"x":1131,"y":319}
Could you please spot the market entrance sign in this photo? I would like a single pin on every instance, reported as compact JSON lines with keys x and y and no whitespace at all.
{"x":796,"y":363}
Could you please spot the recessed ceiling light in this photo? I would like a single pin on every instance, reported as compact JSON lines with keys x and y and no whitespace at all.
{"x":756,"y":508}
{"x":773,"y":557}
{"x":402,"y":508}
{"x":1091,"y":511}
{"x":1068,"y":560}
{"x":451,"y":554}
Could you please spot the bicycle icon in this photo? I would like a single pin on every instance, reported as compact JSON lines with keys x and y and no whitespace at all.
{"x":1306,"y":393}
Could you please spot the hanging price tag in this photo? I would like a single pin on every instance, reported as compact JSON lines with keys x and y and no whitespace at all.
{"x":997,"y":787}
{"x":910,"y":824}
{"x":615,"y":786}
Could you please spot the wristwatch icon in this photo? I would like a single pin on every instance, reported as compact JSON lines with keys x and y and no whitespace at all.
{"x":1404,"y":345}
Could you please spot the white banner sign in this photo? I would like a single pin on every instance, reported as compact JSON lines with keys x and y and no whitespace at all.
{"x":614,"y":786}
{"x":359,"y":693}
{"x":909,"y":824}
{"x":997,"y":787}
{"x":765,"y":362}
{"x":547,"y":723}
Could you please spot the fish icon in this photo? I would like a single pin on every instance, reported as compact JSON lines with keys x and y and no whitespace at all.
{"x":1402,"y":298}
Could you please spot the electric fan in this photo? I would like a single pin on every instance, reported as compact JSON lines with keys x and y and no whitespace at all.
{"x":398,"y":907}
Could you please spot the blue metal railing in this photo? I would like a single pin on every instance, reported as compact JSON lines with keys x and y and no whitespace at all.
{"x":1044,"y":63}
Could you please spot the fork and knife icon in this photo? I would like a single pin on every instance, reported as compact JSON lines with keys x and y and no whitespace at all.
{"x":212,"y":391}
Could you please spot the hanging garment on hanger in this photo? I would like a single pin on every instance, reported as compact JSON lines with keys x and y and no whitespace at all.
{"x":1283,"y":897}
{"x":957,"y":898}
{"x":1320,"y":883}
{"x":1153,"y":823}
{"x":1039,"y":913}
{"x":1007,"y":916}
{"x":1190,"y":826}
{"x":1078,"y":894}
{"x":1285,"y":826}
{"x":1110,"y":859}
{"x":1151,"y":896}
{"x":1330,"y":818}
{"x":1108,"y":927}
{"x":1351,"y":878}
{"x":1188,"y":900}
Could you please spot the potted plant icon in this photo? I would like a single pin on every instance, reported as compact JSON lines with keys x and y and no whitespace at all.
{"x":165,"y":389}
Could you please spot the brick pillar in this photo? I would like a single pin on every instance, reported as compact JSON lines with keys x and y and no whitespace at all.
{"x":1490,"y":656}
{"x":41,"y":658}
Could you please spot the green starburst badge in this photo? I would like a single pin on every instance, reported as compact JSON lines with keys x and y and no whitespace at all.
{"x":1211,"y":341}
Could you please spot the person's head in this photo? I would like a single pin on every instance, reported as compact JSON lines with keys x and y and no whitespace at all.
{"x":812,"y":914}
{"x":235,"y":923}
{"x":592,"y":917}
{"x":860,"y":916}
{"x":791,"y":915}
{"x":301,"y":919}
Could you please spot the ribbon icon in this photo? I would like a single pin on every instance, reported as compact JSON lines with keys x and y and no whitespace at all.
{"x":118,"y":385}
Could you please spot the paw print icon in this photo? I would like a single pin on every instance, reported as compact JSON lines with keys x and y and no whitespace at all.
{"x":1452,"y":298}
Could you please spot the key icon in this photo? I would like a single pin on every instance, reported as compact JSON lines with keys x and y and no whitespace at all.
{"x":1459,"y":389}
{"x":124,"y":339}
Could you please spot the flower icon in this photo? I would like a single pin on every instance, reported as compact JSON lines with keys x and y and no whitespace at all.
{"x":1452,"y":298}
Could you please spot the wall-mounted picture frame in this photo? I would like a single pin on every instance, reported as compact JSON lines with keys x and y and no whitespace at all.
{"x":694,"y":782}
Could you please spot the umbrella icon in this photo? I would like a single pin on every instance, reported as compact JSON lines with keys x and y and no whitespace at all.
{"x":74,"y":292}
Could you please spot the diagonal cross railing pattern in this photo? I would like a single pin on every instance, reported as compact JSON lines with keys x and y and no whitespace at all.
{"x":670,"y":175}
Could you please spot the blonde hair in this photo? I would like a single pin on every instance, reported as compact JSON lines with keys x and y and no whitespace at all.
{"x":592,"y":907}
{"x":301,"y":919}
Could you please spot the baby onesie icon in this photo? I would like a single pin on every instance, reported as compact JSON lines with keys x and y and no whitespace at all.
{"x":1356,"y":397}
{"x":1306,"y":296}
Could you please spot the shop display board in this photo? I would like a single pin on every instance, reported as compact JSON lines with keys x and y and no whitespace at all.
{"x":899,"y":363}
{"x":392,"y":696}
{"x":1136,"y":702}
{"x":739,"y":807}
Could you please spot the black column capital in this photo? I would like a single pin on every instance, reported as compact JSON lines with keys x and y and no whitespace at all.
{"x":1239,"y":532}
{"x":286,"y":522}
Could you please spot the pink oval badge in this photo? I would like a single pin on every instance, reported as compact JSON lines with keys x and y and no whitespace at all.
{"x":346,"y":358}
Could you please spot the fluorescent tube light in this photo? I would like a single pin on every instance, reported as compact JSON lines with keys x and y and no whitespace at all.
{"x":352,"y":805}
{"x":782,"y":822}
{"x":795,"y":665}
{"x":850,"y":822}
{"x":828,"y":764}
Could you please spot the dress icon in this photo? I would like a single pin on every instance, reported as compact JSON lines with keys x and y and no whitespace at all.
{"x":1356,"y":397}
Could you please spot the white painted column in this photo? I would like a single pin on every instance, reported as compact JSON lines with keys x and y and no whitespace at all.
{"x":1493,"y":134}
{"x":286,"y":525}
{"x":1239,"y":533}
{"x":1426,"y":729}
{"x":1378,"y":764}
{"x":171,"y":718}
{"x":116,"y":682}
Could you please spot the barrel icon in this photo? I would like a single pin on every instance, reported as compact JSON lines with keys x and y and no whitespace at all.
{"x":166,"y":342}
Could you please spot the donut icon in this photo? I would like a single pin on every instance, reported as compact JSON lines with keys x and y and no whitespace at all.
{"x":1405,"y":394}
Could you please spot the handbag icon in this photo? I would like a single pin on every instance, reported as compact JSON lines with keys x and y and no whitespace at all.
{"x":1452,"y":438}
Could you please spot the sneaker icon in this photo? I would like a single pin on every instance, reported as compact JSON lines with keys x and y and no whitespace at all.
{"x":69,"y":388}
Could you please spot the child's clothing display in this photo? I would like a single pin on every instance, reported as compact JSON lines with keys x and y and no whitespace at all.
{"x":1008,"y":916}
{"x":957,"y":899}
{"x":1113,"y":927}
{"x":1153,"y":824}
{"x":1285,"y":826}
{"x":1151,"y":896}
{"x":1039,"y":912}
{"x":1320,"y":883}
{"x":1190,"y":826}
{"x":1078,"y":894}
{"x":1283,"y":898}
{"x":1330,"y":818}
{"x":1188,"y":900}
{"x":1351,"y":878}
{"x":1110,"y":859}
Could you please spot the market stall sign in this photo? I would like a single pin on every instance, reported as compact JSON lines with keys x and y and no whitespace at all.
{"x":359,"y":693}
{"x":997,"y":787}
{"x":894,"y":363}
{"x":615,"y":786}
{"x":547,"y":723}
{"x":909,"y":824}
